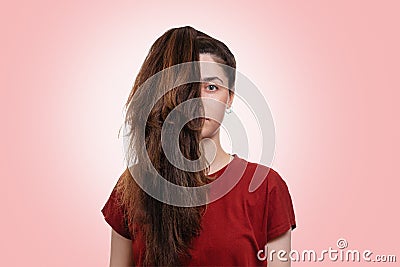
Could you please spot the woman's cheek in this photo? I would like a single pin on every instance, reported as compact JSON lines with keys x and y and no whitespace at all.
{"x":215,"y":109}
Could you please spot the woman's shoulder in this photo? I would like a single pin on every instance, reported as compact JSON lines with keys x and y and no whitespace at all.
{"x":261,"y":175}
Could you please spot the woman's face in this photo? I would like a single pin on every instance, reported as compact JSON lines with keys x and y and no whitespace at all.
{"x":214,"y":87}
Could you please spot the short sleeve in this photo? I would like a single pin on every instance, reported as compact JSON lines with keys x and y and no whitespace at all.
{"x":281,"y":217}
{"x":114,"y":214}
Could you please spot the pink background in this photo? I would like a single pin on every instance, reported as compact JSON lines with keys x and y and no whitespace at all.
{"x":329,"y":70}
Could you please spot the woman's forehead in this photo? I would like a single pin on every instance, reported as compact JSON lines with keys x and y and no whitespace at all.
{"x":211,"y":71}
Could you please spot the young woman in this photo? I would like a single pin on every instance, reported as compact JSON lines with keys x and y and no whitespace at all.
{"x":230,"y":231}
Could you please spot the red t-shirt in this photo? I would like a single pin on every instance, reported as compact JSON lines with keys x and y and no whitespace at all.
{"x":234,"y":227}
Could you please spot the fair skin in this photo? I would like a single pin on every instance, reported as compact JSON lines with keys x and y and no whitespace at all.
{"x":282,"y":242}
{"x":121,"y":251}
{"x":213,"y":87}
{"x":216,"y":99}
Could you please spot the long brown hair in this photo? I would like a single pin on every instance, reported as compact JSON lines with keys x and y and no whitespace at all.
{"x":167,"y":229}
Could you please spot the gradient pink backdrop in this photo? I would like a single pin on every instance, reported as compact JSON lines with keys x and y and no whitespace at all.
{"x":330,"y":72}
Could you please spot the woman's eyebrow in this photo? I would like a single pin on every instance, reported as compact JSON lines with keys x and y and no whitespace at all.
{"x":208,"y":79}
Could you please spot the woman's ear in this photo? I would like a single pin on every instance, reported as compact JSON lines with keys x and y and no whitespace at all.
{"x":231,"y":94}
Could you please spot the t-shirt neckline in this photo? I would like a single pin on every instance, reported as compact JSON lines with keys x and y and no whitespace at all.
{"x":220,"y":171}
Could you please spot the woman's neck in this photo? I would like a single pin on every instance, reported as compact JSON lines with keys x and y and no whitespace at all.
{"x":215,"y":154}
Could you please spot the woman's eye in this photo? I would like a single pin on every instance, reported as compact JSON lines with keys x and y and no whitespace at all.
{"x":212,"y":87}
